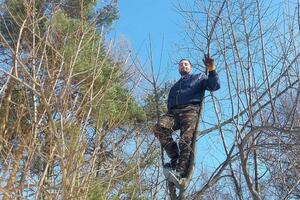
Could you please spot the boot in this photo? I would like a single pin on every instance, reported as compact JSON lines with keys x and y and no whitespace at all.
{"x":173,"y":153}
{"x":172,"y":164}
{"x":182,"y":168}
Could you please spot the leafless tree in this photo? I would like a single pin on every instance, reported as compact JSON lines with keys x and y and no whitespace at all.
{"x":256,"y":113}
{"x":69,"y":128}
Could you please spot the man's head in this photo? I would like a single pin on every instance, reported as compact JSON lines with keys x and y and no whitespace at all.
{"x":184,"y":67}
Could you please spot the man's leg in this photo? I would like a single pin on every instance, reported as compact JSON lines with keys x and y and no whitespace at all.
{"x":163,"y":131}
{"x":188,"y":124}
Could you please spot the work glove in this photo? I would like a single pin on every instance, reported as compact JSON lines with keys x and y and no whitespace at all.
{"x":209,"y":63}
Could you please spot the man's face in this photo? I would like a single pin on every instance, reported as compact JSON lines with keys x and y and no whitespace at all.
{"x":184,"y":67}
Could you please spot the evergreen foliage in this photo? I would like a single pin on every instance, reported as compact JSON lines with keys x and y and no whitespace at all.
{"x":63,"y":94}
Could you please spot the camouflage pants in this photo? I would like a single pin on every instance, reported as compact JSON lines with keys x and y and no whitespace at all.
{"x":184,"y":118}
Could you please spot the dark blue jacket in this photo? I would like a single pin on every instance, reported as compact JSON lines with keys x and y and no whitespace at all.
{"x":191,"y":88}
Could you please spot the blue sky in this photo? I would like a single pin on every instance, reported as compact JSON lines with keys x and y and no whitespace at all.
{"x":158,"y":19}
{"x":139,"y":18}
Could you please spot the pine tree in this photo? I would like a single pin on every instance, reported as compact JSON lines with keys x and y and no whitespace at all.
{"x":62,"y":94}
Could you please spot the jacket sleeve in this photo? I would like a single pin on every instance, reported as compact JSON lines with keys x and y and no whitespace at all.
{"x":212,"y":82}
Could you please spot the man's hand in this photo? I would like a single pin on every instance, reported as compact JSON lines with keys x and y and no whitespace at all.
{"x":209,"y":63}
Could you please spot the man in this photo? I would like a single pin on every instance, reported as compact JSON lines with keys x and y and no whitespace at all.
{"x":184,"y":102}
